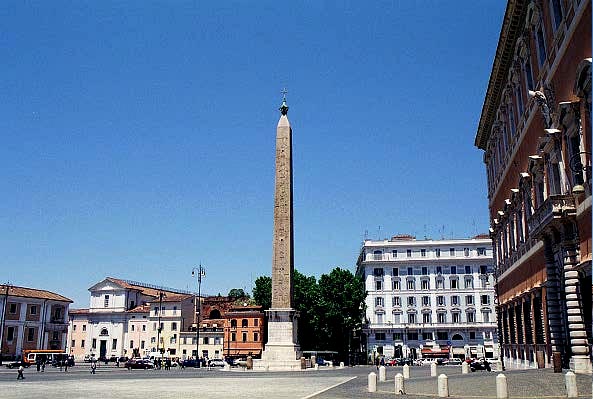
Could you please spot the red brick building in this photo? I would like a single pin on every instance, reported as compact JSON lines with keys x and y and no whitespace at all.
{"x":535,"y":130}
{"x":244,"y":332}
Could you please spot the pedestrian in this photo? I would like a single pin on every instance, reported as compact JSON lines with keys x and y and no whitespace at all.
{"x":38,"y":362}
{"x":66,"y":365}
{"x":42,"y":366}
{"x":93,"y":367}
{"x":20,"y":375}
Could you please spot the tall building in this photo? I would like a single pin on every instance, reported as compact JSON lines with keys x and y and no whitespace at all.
{"x":429,"y":298}
{"x":535,"y":131}
{"x":31,"y":319}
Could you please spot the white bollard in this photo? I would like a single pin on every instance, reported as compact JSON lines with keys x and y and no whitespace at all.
{"x":406,"y":372}
{"x":382,"y":374}
{"x":443,"y":386}
{"x":316,"y":366}
{"x":433,"y":369}
{"x":399,"y":384}
{"x":341,"y":365}
{"x":372,"y":382}
{"x":464,"y":368}
{"x":499,"y":365}
{"x":571,"y":385}
{"x":502,"y":391}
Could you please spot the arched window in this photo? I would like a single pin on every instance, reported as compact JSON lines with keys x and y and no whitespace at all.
{"x":233,"y":323}
{"x":104,"y":332}
{"x":244,"y":323}
{"x":457,"y":337}
{"x":214,"y":314}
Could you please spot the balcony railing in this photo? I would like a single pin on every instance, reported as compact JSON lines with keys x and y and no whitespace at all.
{"x":555,"y":207}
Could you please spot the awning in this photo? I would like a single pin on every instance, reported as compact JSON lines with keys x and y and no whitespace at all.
{"x":458,"y":351}
{"x":443,"y":351}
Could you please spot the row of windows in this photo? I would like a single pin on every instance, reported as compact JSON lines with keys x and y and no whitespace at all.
{"x":244,"y":337}
{"x":440,"y":300}
{"x":244,"y":323}
{"x":11,"y":334}
{"x":429,"y":336}
{"x":454,"y":284}
{"x":378,"y":254}
{"x":441,"y":317}
{"x":57,"y":312}
{"x":425,"y":270}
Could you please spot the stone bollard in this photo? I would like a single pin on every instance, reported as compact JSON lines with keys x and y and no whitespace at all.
{"x":316,"y":366}
{"x":571,"y":385}
{"x":303,"y":363}
{"x":443,"y":386}
{"x":249,"y":363}
{"x":372,"y":382}
{"x":499,"y":365}
{"x":313,"y":360}
{"x":464,"y":368}
{"x":341,"y":365}
{"x":399,"y":384}
{"x":502,"y":391}
{"x":406,"y":371}
{"x":382,"y":374}
{"x":433,"y":369}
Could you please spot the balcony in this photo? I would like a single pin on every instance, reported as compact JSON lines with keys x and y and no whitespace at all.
{"x":554,"y":208}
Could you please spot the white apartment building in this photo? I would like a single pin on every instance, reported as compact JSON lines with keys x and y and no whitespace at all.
{"x":429,"y":298}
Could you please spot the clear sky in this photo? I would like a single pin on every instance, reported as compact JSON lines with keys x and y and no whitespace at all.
{"x":138,"y":137}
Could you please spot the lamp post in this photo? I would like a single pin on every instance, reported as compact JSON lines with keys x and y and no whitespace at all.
{"x":198,"y":272}
{"x":577,"y":166}
{"x":158,"y":336}
{"x":6,"y":286}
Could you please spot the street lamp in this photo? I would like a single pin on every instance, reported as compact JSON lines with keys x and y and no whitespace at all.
{"x":158,"y":335}
{"x":577,"y":166}
{"x":198,"y":272}
{"x":7,"y":286}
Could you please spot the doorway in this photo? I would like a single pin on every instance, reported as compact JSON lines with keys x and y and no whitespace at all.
{"x":103,"y":349}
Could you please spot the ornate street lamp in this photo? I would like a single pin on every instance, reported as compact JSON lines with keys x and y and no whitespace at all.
{"x":198,"y":272}
{"x":577,"y":166}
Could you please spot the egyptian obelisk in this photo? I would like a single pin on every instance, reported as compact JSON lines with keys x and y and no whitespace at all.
{"x":282,"y":350}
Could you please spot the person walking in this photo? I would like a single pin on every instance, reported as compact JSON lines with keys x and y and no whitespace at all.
{"x":20,"y":375}
{"x":38,"y":363}
{"x":93,"y":367}
{"x":43,"y":366}
{"x":66,"y":365}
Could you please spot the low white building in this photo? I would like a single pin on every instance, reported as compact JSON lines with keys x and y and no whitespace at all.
{"x":429,"y":298}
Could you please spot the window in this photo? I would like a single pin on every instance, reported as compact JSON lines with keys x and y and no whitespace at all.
{"x":244,"y":323}
{"x":472,"y":335}
{"x":442,"y":335}
{"x":452,"y":251}
{"x":141,"y":344}
{"x":255,"y":322}
{"x":58,"y":313}
{"x":426,"y":319}
{"x":465,"y":251}
{"x":426,"y":301}
{"x":10,"y":333}
{"x":379,"y":301}
{"x":206,"y":340}
{"x":233,"y":336}
{"x":379,"y":318}
{"x":439,"y":269}
{"x":106,"y":301}
{"x":424,"y":271}
{"x":94,"y":345}
{"x":427,"y":336}
{"x":55,"y":335}
{"x":423,"y":253}
{"x":144,"y":327}
{"x":394,"y":253}
{"x":411,"y":301}
{"x":82,"y":343}
{"x":131,"y":344}
{"x":469,"y":282}
{"x":104,"y":332}
{"x":378,"y":285}
{"x":174,"y":326}
{"x":440,"y":283}
{"x":528,"y":74}
{"x":133,"y":327}
{"x":437,"y":252}
{"x":378,"y":272}
{"x":233,"y":323}
{"x":469,"y":300}
{"x":395,"y":284}
{"x":12,"y":309}
{"x":410,"y":271}
{"x":485,"y":300}
{"x":541,"y":44}
{"x":409,"y":253}
{"x":31,"y":334}
{"x":483,"y":269}
{"x":153,"y":340}
{"x":411,"y":284}
{"x":453,"y":269}
{"x":114,"y":344}
{"x":132,"y":304}
{"x":519,"y":100}
{"x":379,"y":336}
{"x":425,"y":284}
{"x":84,"y":327}
{"x":456,"y":318}
{"x":73,"y":344}
{"x":486,"y":317}
{"x":395,"y":301}
{"x":377,"y":255}
{"x":33,"y":310}
{"x":395,"y":272}
{"x":74,"y":327}
{"x":174,"y":309}
{"x":454,"y":283}
{"x":481,"y":251}
{"x":441,"y":300}
{"x":397,"y":336}
{"x":413,"y":335}
{"x":412,"y":318}
{"x":468,"y":270}
{"x":441,"y":317}
{"x":455,"y":300}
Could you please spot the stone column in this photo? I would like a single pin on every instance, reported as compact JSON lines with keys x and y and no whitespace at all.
{"x":579,"y":361}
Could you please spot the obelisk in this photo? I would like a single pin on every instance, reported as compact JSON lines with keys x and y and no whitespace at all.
{"x":282,"y":350}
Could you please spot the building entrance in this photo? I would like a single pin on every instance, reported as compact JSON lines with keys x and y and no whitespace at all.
{"x":103,"y":349}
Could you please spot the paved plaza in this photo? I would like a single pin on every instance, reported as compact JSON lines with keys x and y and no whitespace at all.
{"x":110,"y":382}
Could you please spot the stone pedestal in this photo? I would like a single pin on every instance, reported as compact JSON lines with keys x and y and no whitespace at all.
{"x":282,"y":352}
{"x":580,"y":364}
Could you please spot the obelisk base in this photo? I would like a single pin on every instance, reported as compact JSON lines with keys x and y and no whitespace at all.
{"x":282,"y":352}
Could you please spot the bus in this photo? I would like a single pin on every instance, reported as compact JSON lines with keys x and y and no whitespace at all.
{"x":51,"y":356}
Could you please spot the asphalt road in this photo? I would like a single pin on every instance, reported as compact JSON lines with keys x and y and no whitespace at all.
{"x":327,"y":383}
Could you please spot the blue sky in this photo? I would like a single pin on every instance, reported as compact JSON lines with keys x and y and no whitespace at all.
{"x":138,"y":136}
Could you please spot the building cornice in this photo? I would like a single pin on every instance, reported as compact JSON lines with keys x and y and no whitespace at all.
{"x":514,"y":18}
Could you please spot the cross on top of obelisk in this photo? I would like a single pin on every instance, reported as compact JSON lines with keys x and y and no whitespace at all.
{"x":283,"y":108}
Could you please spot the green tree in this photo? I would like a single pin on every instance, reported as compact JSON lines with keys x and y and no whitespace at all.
{"x":237,"y":293}
{"x":262,"y":292}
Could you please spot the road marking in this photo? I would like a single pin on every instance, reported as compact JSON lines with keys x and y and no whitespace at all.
{"x":328,"y":388}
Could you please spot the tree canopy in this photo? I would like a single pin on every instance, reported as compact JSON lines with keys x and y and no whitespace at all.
{"x":237,"y":293}
{"x":330,"y":309}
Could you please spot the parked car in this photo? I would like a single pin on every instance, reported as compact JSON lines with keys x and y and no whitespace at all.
{"x":391,"y":362}
{"x":16,"y":363}
{"x":189,"y":363}
{"x":139,"y":364}
{"x":216,"y":363}
{"x":322,"y":362}
{"x":455,"y":362}
{"x":481,"y":364}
